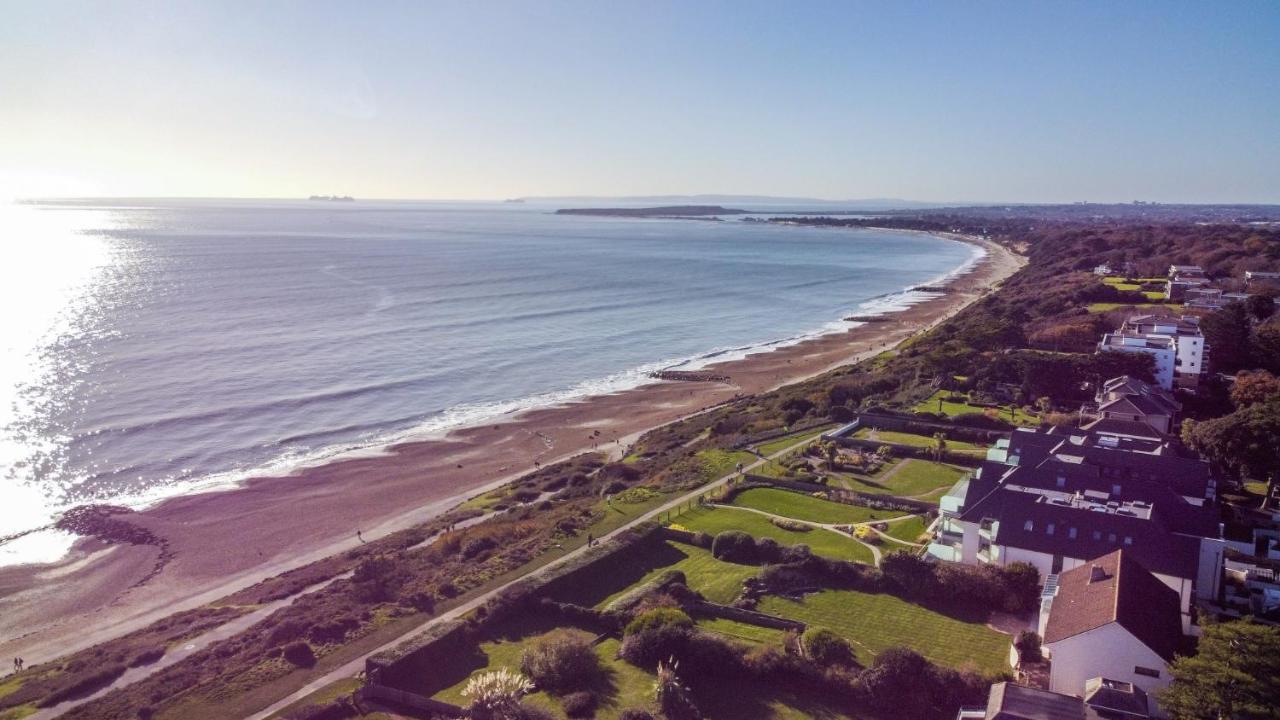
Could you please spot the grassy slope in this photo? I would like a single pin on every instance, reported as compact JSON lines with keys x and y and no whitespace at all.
{"x":876,"y":622}
{"x":907,"y":530}
{"x":774,"y":446}
{"x":823,"y":542}
{"x":913,"y":440}
{"x":719,"y":581}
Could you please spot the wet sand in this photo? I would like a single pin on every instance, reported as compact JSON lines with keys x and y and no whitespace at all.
{"x":223,"y":541}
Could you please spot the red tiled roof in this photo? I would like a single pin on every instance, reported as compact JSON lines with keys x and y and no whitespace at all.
{"x":1125,"y":593}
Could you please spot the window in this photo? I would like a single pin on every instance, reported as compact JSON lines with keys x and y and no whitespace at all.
{"x":1128,"y":540}
{"x":1049,"y":530}
{"x":1139,"y":670}
{"x":1062,"y":481}
{"x":1029,"y":526}
{"x":1071,"y":533}
{"x":1097,"y":534}
{"x":1115,"y":489}
{"x":1111,"y":537}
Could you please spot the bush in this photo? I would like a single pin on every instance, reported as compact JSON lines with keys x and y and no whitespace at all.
{"x":300,"y":654}
{"x":635,"y":714}
{"x":581,"y":704}
{"x":792,"y":525}
{"x":561,"y":661}
{"x":826,"y":648}
{"x":659,"y":619}
{"x":478,"y":546}
{"x":1028,"y":645}
{"x":734,"y":546}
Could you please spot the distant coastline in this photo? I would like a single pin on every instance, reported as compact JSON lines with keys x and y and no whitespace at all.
{"x":666,"y":211}
{"x":332,"y":198}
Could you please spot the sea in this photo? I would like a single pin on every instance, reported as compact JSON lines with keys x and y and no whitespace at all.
{"x":151,"y":348}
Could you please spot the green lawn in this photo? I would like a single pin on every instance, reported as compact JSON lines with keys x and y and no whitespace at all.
{"x":924,"y":441}
{"x":957,"y":406}
{"x":804,"y":507}
{"x":781,"y":443}
{"x":918,"y":477}
{"x":874,"y":622}
{"x":742,"y":631}
{"x":907,"y":530}
{"x":827,"y":543}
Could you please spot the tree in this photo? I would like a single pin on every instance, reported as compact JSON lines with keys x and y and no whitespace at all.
{"x":1261,"y":306}
{"x":1251,"y":388}
{"x":939,"y":445}
{"x":1266,"y":345}
{"x":825,"y":647}
{"x":1228,"y":332}
{"x":1243,"y":443}
{"x":1235,"y":673}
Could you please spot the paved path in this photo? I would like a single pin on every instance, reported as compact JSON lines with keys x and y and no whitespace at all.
{"x":354,"y":667}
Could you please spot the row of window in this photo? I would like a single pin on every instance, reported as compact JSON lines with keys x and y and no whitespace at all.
{"x":1049,"y":529}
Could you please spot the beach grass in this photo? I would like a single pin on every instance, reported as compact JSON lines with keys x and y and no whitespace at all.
{"x":827,"y":543}
{"x":717,"y":463}
{"x":874,"y":622}
{"x":1136,"y":307}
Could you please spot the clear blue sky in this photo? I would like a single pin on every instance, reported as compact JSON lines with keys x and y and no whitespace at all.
{"x":942,"y":101}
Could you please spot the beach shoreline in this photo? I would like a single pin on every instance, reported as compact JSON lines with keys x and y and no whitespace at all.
{"x":224,"y":540}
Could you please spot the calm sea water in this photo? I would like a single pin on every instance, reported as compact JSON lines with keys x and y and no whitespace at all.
{"x":157,"y":347}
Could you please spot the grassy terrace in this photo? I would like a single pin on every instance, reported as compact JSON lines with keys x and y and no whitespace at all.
{"x":823,"y":542}
{"x":913,"y":440}
{"x":803,"y":507}
{"x":910,"y":478}
{"x":718,"y":463}
{"x":954,"y":404}
{"x":873,"y":622}
{"x":742,"y":631}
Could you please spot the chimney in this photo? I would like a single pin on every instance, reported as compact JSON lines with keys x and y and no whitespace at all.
{"x":1096,"y":574}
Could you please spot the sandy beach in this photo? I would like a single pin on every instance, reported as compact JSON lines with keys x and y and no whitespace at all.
{"x":223,"y":541}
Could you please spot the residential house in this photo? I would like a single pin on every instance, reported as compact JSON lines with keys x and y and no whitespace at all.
{"x":1105,"y":700}
{"x":1176,"y":343}
{"x":1128,"y":399}
{"x":1253,"y":278}
{"x":1113,"y":619}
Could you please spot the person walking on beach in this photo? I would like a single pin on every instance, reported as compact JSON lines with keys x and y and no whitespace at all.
{"x":359,"y":536}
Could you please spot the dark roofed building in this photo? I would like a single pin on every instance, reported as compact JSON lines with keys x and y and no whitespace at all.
{"x":1007,"y":701}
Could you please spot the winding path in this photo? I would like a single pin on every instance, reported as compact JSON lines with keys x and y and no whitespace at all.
{"x":832,"y":527}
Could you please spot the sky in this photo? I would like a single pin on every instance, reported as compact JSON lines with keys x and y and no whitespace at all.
{"x":933,"y":101}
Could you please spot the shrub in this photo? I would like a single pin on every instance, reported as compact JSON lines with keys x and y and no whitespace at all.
{"x":560,"y":661}
{"x":497,"y":692}
{"x":580,"y":704}
{"x":826,"y":648}
{"x":287,"y":631}
{"x":478,"y":546}
{"x":673,"y":696}
{"x":792,"y":525}
{"x":658,"y":619}
{"x":734,"y":546}
{"x":635,"y":714}
{"x":299,"y":653}
{"x":1028,"y":645}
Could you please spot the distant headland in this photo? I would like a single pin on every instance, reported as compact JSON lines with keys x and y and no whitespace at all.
{"x":333,"y":198}
{"x":667,"y":211}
